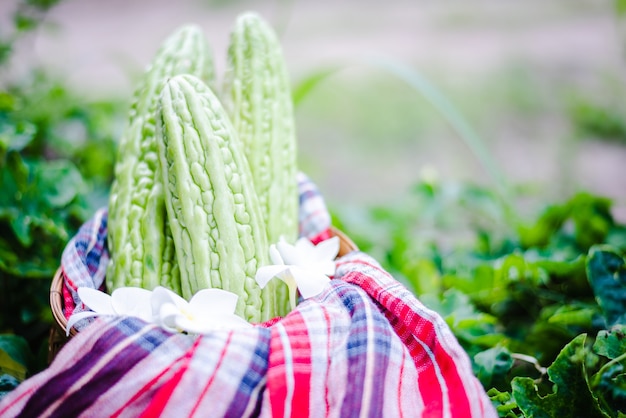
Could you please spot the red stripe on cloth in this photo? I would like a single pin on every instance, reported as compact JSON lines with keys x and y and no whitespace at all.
{"x":68,"y":300}
{"x":430,"y":387}
{"x":328,"y":362}
{"x":18,"y":399}
{"x":163,"y":395}
{"x":275,"y":374}
{"x":148,"y":386}
{"x":322,"y":236}
{"x":296,"y":357}
{"x":220,"y":360}
{"x":406,"y":321}
{"x":432,"y":360}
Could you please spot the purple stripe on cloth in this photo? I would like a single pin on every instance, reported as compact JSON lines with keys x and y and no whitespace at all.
{"x":55,"y":388}
{"x":100,"y":381}
{"x":368,"y":351}
{"x":254,"y":377}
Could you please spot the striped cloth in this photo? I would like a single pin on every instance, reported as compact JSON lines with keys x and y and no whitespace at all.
{"x":364,"y":347}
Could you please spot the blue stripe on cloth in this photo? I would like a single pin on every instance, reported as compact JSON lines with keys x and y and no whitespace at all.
{"x":368,"y":350}
{"x":253,"y":381}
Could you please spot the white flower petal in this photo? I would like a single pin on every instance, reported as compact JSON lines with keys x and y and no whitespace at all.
{"x":132,"y":301}
{"x":168,"y":314}
{"x":218,"y":322}
{"x":289,"y":253}
{"x":304,"y":245}
{"x":327,"y":249}
{"x":275,"y":256}
{"x":161,"y":295}
{"x":267,"y":273}
{"x":78,"y":316}
{"x":309,"y":283}
{"x":209,"y":302}
{"x":326,"y":268}
{"x":96,"y":300}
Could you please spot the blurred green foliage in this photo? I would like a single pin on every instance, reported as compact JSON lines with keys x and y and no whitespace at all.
{"x":26,"y":17}
{"x":607,"y":122}
{"x":50,"y":186}
{"x":56,"y":163}
{"x":526,"y":299}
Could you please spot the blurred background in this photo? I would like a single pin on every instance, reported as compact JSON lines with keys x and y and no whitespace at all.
{"x":528,"y":95}
{"x":476,"y":150}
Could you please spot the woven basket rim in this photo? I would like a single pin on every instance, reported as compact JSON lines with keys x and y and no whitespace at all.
{"x":56,"y":301}
{"x":346,"y":245}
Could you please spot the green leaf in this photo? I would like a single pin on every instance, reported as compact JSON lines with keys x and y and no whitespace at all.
{"x":15,"y":136}
{"x":492,"y":366}
{"x":611,"y":387}
{"x":303,"y":88}
{"x":573,"y":315}
{"x":15,"y":356}
{"x":572,"y":396}
{"x":58,"y":182}
{"x":606,"y":271}
{"x":503,"y":402}
{"x":16,"y":173}
{"x":589,"y":215}
{"x":609,"y":382}
{"x":611,"y":343}
{"x":592,"y":219}
{"x":21,"y":225}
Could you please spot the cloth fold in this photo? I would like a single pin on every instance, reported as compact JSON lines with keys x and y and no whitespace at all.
{"x":363,"y":347}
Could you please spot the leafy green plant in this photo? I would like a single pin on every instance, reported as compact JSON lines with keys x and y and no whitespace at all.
{"x":539,"y":306}
{"x":598,"y":120}
{"x":56,"y":163}
{"x":51,"y":184}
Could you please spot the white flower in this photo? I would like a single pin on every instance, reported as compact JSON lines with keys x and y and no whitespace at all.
{"x":304,"y":267}
{"x":124,"y":301}
{"x":208,"y":310}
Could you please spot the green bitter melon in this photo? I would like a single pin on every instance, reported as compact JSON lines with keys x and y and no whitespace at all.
{"x":213,"y":208}
{"x":139,"y":238}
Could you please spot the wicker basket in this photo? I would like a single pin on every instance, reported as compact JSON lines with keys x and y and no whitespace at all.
{"x":58,"y":338}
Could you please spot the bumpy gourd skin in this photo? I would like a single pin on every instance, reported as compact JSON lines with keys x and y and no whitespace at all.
{"x":139,"y":238}
{"x":258,"y":99}
{"x":257,"y":96}
{"x":213,"y":208}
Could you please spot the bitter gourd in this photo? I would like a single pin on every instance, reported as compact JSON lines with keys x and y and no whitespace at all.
{"x":211,"y":202}
{"x":257,"y":96}
{"x":139,"y":238}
